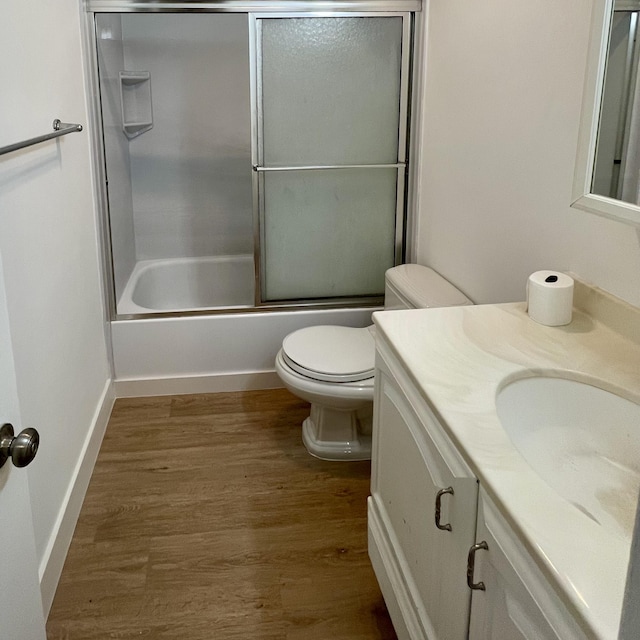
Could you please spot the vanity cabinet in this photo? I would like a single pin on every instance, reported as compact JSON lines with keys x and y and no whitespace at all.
{"x":426,"y":554}
{"x":426,"y":511}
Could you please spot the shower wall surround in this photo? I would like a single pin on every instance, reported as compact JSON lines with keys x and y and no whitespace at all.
{"x":191,"y":175}
{"x":116,"y":146}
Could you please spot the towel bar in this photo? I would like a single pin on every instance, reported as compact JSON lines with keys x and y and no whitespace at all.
{"x":59,"y":129}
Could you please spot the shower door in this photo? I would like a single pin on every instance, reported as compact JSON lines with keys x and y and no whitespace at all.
{"x":175,"y":107}
{"x":329,"y":152}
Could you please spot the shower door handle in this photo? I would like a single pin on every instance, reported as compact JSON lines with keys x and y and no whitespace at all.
{"x":319,"y":167}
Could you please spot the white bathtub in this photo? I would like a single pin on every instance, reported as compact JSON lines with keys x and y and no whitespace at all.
{"x":203,"y":353}
{"x":188,"y":284}
{"x":209,"y":353}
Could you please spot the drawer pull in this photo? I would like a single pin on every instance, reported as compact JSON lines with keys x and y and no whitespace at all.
{"x":442,"y":492}
{"x":471,"y":561}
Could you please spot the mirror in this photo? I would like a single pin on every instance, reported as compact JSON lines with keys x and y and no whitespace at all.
{"x":607,"y":178}
{"x":617,"y":162}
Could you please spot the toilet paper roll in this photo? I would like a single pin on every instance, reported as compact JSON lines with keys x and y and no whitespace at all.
{"x":550,"y":298}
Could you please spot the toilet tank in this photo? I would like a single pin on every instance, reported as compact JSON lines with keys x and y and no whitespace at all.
{"x":413,"y":286}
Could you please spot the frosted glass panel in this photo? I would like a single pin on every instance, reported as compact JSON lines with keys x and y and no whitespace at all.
{"x":331,"y":90}
{"x":328,"y":233}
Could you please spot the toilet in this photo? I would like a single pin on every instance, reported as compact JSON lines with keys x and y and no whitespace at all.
{"x":332,"y":367}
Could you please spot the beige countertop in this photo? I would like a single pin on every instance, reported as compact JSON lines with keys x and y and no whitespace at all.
{"x":461,"y":357}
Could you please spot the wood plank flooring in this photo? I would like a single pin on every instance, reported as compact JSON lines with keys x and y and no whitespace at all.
{"x":207,"y":519}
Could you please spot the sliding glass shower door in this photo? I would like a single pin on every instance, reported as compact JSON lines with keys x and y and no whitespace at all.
{"x":329,"y":152}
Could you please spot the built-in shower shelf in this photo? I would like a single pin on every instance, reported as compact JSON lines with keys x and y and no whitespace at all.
{"x":133,"y":129}
{"x":135,"y":100}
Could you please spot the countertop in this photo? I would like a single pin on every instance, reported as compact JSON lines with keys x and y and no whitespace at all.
{"x":460,"y":357}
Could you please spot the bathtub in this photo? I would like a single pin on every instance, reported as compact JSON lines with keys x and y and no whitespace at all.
{"x":166,"y":355}
{"x":203,"y":353}
{"x":189,"y":284}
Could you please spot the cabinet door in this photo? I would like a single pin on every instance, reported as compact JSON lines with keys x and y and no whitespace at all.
{"x":507,"y":609}
{"x":409,"y":469}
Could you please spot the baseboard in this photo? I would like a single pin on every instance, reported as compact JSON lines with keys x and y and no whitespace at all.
{"x":134,"y":388}
{"x":56,"y":551}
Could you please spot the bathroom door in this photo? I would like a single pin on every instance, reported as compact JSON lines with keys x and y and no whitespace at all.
{"x":329,"y":152}
{"x":22,"y":615}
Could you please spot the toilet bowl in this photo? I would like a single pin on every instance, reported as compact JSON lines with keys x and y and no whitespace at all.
{"x":332,"y":367}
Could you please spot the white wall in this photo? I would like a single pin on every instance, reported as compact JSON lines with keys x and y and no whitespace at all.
{"x":501,"y":108}
{"x":49,"y":251}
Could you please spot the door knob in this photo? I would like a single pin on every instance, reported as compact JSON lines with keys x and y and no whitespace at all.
{"x":22,"y":448}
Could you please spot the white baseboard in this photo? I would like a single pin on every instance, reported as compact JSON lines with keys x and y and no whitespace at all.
{"x":138,"y":387}
{"x":60,"y":539}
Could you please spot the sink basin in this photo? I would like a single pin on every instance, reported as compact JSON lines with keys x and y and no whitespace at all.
{"x":583,"y":441}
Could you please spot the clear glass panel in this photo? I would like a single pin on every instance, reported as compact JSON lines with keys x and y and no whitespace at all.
{"x":331,"y":90}
{"x":178,"y":159}
{"x":328,"y":233}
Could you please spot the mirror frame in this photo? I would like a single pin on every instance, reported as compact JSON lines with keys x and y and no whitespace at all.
{"x":582,"y":197}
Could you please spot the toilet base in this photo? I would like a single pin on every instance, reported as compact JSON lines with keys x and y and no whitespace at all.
{"x":330,"y":434}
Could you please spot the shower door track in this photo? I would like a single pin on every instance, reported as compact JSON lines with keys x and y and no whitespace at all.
{"x":310,"y":7}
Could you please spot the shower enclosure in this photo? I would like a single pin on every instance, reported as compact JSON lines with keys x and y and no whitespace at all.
{"x":251,"y":160}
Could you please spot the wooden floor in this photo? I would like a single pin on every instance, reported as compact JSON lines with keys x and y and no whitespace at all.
{"x":207,"y":519}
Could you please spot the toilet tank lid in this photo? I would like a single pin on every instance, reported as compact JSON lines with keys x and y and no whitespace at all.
{"x":422,"y":287}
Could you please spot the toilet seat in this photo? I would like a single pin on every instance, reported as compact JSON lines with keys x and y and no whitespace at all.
{"x":331,"y":353}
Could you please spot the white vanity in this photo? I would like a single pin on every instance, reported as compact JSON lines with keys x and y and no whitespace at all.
{"x":474,"y":533}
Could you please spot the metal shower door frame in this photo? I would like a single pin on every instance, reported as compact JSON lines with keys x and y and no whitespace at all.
{"x":257,"y":140}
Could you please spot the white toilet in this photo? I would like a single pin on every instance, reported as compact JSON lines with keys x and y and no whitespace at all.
{"x":332,"y":366}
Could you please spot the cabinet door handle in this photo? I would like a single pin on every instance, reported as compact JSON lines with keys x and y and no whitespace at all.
{"x":442,"y":492}
{"x":471,"y":561}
